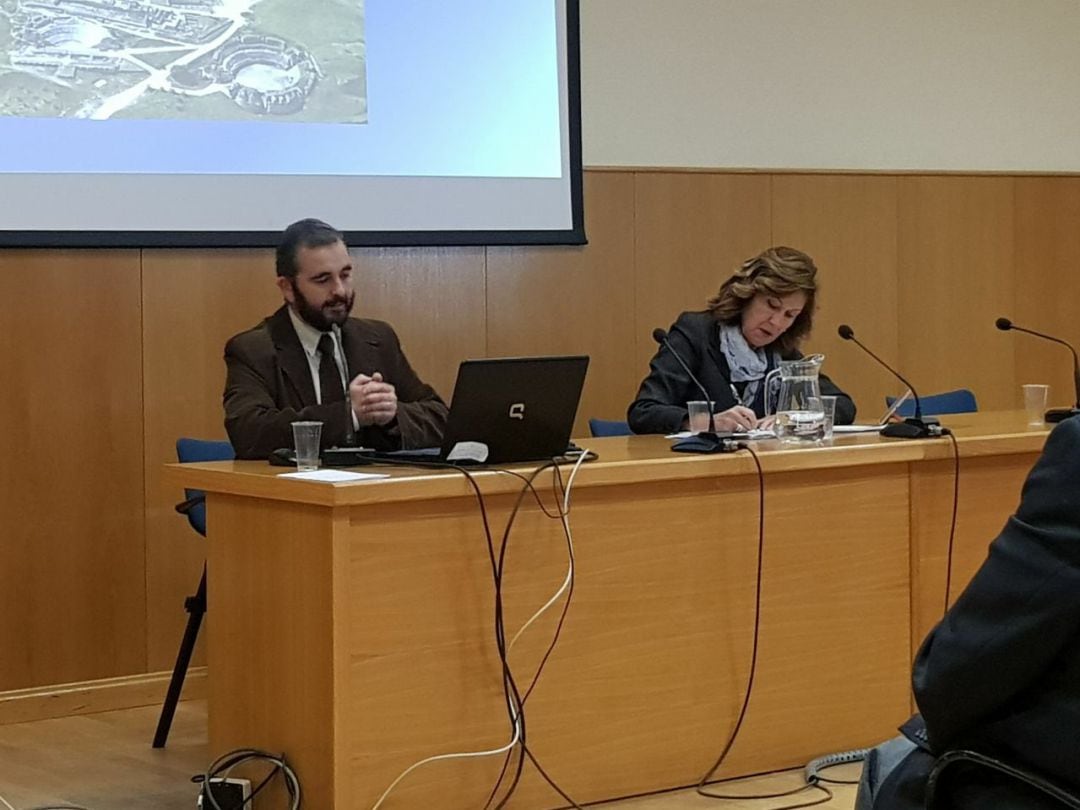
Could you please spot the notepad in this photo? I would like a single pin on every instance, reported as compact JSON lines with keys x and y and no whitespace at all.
{"x":332,"y":476}
{"x":745,"y":434}
{"x":857,"y":428}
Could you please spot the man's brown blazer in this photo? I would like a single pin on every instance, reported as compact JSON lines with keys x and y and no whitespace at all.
{"x":268,"y":386}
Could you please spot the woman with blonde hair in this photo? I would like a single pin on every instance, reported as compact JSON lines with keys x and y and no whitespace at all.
{"x":759,"y":316}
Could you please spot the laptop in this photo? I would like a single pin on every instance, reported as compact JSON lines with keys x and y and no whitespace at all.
{"x":505,"y":410}
{"x":882,"y":423}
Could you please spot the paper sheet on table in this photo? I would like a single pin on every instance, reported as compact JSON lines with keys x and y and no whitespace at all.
{"x":333,"y":476}
{"x":750,"y":434}
{"x":857,"y":428}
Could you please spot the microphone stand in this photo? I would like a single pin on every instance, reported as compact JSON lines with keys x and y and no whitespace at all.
{"x":1054,"y":414}
{"x":914,"y":427}
{"x":705,"y":441}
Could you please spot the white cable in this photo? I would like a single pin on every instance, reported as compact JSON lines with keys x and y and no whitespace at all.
{"x":515,"y":717}
{"x":7,"y":804}
{"x":564,"y":515}
{"x":492,"y":752}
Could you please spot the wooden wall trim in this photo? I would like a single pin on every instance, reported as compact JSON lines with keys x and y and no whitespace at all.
{"x":91,"y":697}
{"x":826,"y":172}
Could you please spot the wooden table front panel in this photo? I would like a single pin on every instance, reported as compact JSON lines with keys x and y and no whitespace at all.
{"x":352,"y":627}
{"x":651,"y":667}
{"x":989,"y":493}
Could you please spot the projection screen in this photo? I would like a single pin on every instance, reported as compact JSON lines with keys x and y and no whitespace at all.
{"x":218,"y":122}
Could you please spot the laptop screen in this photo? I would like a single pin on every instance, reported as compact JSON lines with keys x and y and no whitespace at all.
{"x":894,"y":407}
{"x":521,"y":408}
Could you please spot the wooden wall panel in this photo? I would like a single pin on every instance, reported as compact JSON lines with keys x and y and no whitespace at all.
{"x":691,"y":230}
{"x":434,"y":298}
{"x":919,"y":265}
{"x":71,"y":490}
{"x":568,"y":300}
{"x":955,"y":277}
{"x":848,"y":224}
{"x":193,"y":301}
{"x":1047,"y":282}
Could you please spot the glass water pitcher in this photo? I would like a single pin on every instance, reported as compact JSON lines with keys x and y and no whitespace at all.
{"x":795,"y":399}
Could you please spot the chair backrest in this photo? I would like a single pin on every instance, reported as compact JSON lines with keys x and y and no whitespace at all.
{"x":937,"y":797}
{"x":959,"y":401}
{"x":189,"y":450}
{"x":608,"y":427}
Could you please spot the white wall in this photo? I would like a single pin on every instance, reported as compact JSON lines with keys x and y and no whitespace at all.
{"x":832,"y":84}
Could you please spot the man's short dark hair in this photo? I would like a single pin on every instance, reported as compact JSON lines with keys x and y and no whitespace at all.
{"x":309,"y":233}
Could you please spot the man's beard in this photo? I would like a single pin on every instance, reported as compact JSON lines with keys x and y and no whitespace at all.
{"x":321,"y":317}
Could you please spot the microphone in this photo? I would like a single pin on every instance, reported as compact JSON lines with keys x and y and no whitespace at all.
{"x":916,"y":427}
{"x":707,"y":442}
{"x":1054,"y":414}
{"x":661,"y":337}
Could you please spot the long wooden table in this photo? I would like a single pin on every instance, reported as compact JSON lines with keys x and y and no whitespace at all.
{"x":351,"y":625}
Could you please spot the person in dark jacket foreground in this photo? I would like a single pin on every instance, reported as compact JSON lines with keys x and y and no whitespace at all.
{"x":1000,"y":674}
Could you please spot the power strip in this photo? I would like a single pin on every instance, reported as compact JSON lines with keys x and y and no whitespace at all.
{"x":230,"y":794}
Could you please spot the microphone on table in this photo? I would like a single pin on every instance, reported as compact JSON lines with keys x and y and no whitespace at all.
{"x":916,"y":427}
{"x":1054,"y":414}
{"x":705,"y":442}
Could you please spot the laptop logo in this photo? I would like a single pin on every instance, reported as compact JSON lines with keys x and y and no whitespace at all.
{"x":517,"y":410}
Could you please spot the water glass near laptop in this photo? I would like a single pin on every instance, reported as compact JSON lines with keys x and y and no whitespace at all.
{"x":306,"y":436}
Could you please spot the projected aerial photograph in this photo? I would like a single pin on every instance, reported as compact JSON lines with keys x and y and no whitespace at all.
{"x":206,"y":60}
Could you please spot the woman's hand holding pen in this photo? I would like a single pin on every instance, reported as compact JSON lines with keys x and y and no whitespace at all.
{"x":738,"y":419}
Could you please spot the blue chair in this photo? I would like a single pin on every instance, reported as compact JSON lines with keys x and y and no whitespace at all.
{"x":959,"y":401}
{"x":194,"y":507}
{"x":608,"y":427}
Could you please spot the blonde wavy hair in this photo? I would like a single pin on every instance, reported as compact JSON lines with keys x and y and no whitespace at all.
{"x":777,"y":271}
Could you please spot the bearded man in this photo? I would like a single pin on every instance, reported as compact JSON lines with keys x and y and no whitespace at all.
{"x":310,"y":361}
